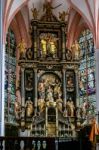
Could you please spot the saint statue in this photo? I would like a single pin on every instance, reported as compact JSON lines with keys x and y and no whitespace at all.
{"x":49,"y":94}
{"x":47,"y":7}
{"x":76,"y":50}
{"x":29,"y":82}
{"x":29,"y":107}
{"x":70,"y":108}
{"x":22,"y":48}
{"x":41,"y":105}
{"x":17,"y":109}
{"x":43,"y":47}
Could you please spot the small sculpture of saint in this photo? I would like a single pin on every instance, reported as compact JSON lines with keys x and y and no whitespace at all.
{"x":41,"y":89}
{"x":49,"y":94}
{"x":17,"y":109}
{"x":59,"y":102}
{"x":47,"y":7}
{"x":68,"y":54}
{"x":70,"y":81}
{"x":76,"y":50}
{"x":34,"y":13}
{"x":43,"y":47}
{"x":52,"y":45}
{"x":29,"y":107}
{"x":29,"y":82}
{"x":70,"y":108}
{"x":41,"y":105}
{"x":22,"y":48}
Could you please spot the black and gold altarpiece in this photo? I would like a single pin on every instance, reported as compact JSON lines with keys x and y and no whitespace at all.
{"x":48,"y":79}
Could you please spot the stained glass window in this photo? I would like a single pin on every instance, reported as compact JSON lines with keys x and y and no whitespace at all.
{"x":10,"y":77}
{"x":87,"y":71}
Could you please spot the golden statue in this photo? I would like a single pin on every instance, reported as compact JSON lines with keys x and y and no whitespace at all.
{"x":76,"y":50}
{"x":29,"y":108}
{"x":44,"y":47}
{"x":34,"y":13}
{"x":41,"y":105}
{"x":70,"y":108}
{"x":17,"y":109}
{"x":22,"y":48}
{"x":48,"y":8}
{"x":52,"y":44}
{"x":63,"y":15}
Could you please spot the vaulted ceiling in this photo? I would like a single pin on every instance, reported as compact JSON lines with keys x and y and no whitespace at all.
{"x":83,"y":14}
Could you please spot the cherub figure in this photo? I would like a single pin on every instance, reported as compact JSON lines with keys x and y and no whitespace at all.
{"x":22,"y":48}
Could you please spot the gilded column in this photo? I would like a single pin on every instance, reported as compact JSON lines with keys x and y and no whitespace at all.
{"x":35,"y":92}
{"x":35,"y":41}
{"x":22,"y":88}
{"x":57,"y":128}
{"x":77,"y":86}
{"x":46,"y":121}
{"x":63,"y":42}
{"x":64,"y":87}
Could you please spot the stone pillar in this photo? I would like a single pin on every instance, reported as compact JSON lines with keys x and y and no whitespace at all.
{"x":2,"y":72}
{"x":63,"y":42}
{"x":97,"y":146}
{"x":35,"y":92}
{"x":22,"y":88}
{"x":64,"y":87}
{"x":97,"y":82}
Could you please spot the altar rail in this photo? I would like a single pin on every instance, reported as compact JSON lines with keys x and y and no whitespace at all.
{"x":41,"y":143}
{"x":35,"y":143}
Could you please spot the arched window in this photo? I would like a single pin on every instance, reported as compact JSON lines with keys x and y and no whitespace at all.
{"x":87,"y":71}
{"x":10,"y":77}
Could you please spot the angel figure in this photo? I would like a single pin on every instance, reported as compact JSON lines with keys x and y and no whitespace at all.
{"x":34,"y":13}
{"x":22,"y":48}
{"x":63,"y":15}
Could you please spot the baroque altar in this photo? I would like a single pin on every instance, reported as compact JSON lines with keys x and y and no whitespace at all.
{"x":48,"y":78}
